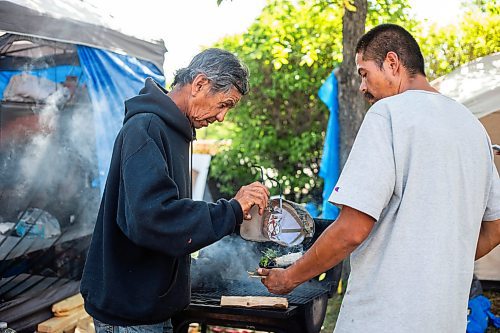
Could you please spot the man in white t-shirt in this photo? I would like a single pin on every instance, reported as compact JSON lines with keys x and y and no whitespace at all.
{"x":418,"y":182}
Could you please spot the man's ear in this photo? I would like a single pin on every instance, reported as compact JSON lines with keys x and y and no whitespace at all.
{"x":199,"y":83}
{"x":392,"y":60}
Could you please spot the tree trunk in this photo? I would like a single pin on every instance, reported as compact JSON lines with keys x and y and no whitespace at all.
{"x":352,"y":107}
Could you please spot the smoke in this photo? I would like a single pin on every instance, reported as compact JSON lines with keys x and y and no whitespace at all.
{"x":34,"y":160}
{"x":49,"y":163}
{"x":228,"y":259}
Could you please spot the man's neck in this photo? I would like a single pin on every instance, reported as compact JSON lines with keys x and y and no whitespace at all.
{"x":178,"y":96}
{"x":418,"y":82}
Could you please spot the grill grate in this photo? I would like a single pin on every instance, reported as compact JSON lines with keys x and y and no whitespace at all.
{"x":307,"y":303}
{"x":209,"y":295}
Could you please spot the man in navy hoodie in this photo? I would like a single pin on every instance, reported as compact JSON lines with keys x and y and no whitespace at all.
{"x":137,"y":271}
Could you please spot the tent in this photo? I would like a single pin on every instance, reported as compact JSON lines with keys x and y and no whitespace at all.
{"x":65,"y":70}
{"x":477,"y":86}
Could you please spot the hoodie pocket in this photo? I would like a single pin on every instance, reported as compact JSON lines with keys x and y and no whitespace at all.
{"x":173,"y":278}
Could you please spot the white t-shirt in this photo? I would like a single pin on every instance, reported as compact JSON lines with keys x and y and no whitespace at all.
{"x":422,"y":166}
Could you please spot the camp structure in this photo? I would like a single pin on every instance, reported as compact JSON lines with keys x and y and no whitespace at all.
{"x":65,"y":70}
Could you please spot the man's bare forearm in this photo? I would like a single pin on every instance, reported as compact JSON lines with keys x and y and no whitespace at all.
{"x":489,"y":237}
{"x":335,"y":244}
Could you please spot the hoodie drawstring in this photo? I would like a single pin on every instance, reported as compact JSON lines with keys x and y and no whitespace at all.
{"x":191,"y":170}
{"x":191,"y":149}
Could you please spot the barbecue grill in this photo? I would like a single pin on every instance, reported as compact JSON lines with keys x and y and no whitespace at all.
{"x":305,"y":313}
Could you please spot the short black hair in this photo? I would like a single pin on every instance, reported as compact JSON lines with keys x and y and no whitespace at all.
{"x":376,"y":43}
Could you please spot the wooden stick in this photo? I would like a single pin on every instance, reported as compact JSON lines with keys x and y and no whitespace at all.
{"x":255,"y":302}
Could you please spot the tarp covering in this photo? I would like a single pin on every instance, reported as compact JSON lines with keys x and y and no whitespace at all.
{"x":77,"y":22}
{"x":111,"y":79}
{"x":61,"y":107}
{"x":330,"y":162}
{"x":56,"y":74}
{"x":475,"y":84}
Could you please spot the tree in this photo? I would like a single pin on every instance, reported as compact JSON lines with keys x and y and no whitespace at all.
{"x":476,"y":34}
{"x":290,"y":49}
{"x":352,"y":107}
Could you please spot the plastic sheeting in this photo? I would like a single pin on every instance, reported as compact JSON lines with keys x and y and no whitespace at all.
{"x":55,"y":152}
{"x":78,"y":23}
{"x":111,"y":79}
{"x":480,"y":315}
{"x":57,"y":74}
{"x":329,"y":168}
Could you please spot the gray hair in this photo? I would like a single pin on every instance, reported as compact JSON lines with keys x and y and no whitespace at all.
{"x":221,"y":68}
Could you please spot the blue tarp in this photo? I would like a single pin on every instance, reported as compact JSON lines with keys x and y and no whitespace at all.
{"x":111,"y":79}
{"x":56,"y":74}
{"x":330,"y":162}
{"x":480,"y":315}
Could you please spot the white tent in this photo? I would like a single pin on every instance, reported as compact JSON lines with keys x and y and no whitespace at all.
{"x":77,"y":22}
{"x":477,"y":86}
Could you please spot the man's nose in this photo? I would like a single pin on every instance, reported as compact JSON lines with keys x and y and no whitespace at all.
{"x":362,"y":86}
{"x":220,"y":116}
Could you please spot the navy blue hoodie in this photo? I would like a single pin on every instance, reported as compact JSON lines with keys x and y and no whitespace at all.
{"x":137,"y":268}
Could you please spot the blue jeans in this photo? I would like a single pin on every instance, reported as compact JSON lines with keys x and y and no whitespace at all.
{"x":165,"y":327}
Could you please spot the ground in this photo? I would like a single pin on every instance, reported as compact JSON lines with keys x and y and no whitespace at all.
{"x":495,"y":308}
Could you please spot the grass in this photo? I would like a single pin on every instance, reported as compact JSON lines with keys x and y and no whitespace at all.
{"x":331,"y":314}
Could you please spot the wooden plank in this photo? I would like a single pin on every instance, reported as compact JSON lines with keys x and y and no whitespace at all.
{"x":82,"y":322}
{"x":68,"y":329}
{"x":68,"y":304}
{"x":26,"y":311}
{"x":255,"y":302}
{"x":68,"y":312}
{"x":57,"y":324}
